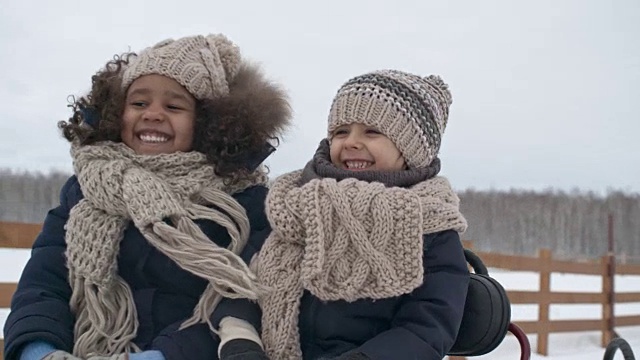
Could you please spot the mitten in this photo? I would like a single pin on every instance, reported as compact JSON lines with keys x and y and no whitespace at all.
{"x":36,"y":350}
{"x":147,"y":355}
{"x":242,"y":349}
{"x":352,"y":356}
{"x":60,"y":355}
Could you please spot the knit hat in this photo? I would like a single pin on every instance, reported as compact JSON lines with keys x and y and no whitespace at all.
{"x":203,"y":65}
{"x":412,"y":111}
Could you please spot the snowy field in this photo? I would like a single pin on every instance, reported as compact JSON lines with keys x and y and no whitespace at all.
{"x":567,"y":346}
{"x":562,"y":346}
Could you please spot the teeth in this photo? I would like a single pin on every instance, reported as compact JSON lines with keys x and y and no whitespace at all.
{"x":357,"y":164}
{"x":154,"y":138}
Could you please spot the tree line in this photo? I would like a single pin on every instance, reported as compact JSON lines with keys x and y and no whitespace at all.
{"x":571,"y":224}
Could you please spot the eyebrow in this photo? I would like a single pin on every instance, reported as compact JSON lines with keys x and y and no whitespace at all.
{"x":176,"y":95}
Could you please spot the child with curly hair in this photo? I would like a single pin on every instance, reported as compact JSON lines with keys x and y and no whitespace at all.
{"x":365,"y":257}
{"x":148,"y":251}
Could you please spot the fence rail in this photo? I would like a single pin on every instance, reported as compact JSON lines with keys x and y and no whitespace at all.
{"x":545,"y":265}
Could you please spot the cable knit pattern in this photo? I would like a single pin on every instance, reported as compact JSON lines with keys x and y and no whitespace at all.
{"x":203,"y":65}
{"x":120,"y":186}
{"x":344,"y":240}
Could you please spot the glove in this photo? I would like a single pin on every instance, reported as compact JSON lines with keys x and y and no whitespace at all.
{"x":60,"y":355}
{"x":352,"y":356}
{"x":147,"y":355}
{"x":242,"y":349}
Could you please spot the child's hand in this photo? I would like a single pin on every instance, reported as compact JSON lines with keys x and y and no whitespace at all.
{"x":242,"y":349}
{"x":352,"y":356}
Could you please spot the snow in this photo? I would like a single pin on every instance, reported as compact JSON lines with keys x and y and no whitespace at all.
{"x":566,"y":346}
{"x":562,"y":346}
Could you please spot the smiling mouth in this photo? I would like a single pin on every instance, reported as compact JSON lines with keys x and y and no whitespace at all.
{"x":357,"y":164}
{"x":155,"y":138}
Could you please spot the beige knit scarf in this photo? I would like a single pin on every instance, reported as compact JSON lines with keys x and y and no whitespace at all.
{"x":120,"y":186}
{"x":347,"y":240}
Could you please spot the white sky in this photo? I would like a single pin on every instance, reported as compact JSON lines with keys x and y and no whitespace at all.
{"x":546,"y":92}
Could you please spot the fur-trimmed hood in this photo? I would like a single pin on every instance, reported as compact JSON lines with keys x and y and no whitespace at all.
{"x":241,"y":126}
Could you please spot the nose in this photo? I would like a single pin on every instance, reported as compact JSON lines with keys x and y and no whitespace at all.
{"x":352,"y":141}
{"x":154,"y":112}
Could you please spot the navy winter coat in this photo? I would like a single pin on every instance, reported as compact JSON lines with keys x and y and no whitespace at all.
{"x":422,"y":325}
{"x":164,"y":294}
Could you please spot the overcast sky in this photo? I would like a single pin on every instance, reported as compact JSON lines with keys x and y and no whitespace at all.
{"x":546,"y":93}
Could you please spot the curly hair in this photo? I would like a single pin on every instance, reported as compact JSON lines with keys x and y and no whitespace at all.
{"x":231,"y":130}
{"x":105,"y":101}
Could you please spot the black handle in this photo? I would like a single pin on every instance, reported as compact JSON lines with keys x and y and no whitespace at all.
{"x":623,"y":345}
{"x":475,"y":262}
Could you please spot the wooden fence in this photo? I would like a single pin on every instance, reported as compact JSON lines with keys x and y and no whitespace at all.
{"x":544,"y":264}
{"x":18,"y":235}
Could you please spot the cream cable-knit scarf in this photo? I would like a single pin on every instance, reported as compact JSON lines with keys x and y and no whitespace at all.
{"x":344,"y":240}
{"x":120,"y":186}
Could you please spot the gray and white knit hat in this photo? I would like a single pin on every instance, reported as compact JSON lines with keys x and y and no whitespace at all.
{"x":412,"y":111}
{"x":204,"y":65}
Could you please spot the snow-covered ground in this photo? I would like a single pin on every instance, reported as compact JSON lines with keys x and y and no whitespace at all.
{"x":562,"y":346}
{"x":567,"y":346}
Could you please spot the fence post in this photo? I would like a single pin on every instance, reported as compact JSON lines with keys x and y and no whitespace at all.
{"x":608,"y":288}
{"x":608,"y":319}
{"x":543,"y":306}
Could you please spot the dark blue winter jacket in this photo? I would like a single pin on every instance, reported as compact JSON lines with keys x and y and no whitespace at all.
{"x":422,"y":325}
{"x":164,"y":294}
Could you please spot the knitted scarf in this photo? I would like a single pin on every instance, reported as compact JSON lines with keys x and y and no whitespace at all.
{"x":344,"y":240}
{"x":120,"y":186}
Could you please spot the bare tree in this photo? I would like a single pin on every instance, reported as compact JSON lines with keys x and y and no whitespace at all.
{"x":572,"y":224}
{"x":27,"y":196}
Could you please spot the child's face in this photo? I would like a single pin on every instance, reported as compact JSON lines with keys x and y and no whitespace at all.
{"x":360,"y":147}
{"x":159,"y":116}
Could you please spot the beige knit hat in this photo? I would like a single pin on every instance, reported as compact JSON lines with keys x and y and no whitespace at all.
{"x":412,"y":111}
{"x":204,"y":65}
